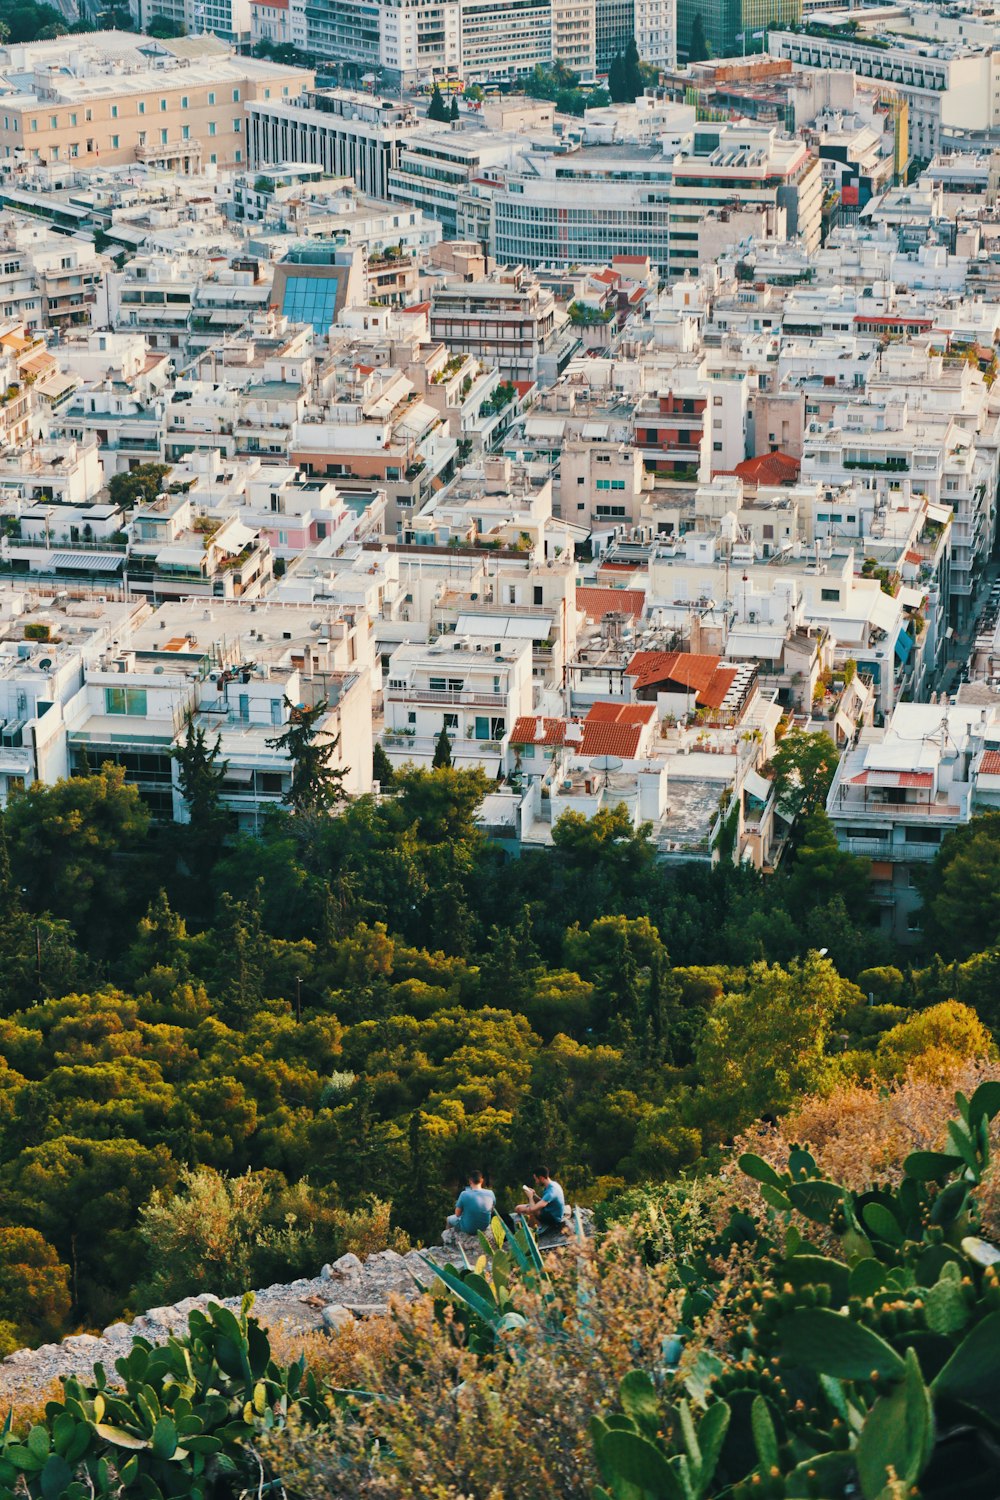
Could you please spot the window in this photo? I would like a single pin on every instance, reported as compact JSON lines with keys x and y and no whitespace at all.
{"x":125,"y":700}
{"x":53,"y":122}
{"x":163,"y":106}
{"x":185,"y":132}
{"x":114,"y":143}
{"x":114,"y":114}
{"x":538,"y":591}
{"x":163,"y":137}
{"x":236,"y":127}
{"x":142,"y":106}
{"x":236,"y":96}
{"x":74,"y":149}
{"x":438,"y":684}
{"x":34,"y":124}
{"x":239,"y":156}
{"x":451,"y":723}
{"x":213,"y":159}
{"x":211,"y":98}
{"x":211,"y":127}
{"x":184,"y":101}
{"x":832,"y":596}
{"x":72,"y":120}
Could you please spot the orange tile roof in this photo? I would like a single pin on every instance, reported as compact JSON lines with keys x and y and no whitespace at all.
{"x":621,"y":713}
{"x":769,"y":468}
{"x":526,"y":730}
{"x":596,"y":603}
{"x":618,"y":740}
{"x":710,"y":679}
{"x":616,"y":728}
{"x":990,"y":763}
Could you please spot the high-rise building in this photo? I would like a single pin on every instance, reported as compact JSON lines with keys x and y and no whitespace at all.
{"x":492,"y":51}
{"x":734,"y":27}
{"x":656,"y":31}
{"x":614,"y":24}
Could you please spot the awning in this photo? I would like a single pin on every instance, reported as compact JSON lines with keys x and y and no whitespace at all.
{"x":181,"y":557}
{"x":904,"y":644}
{"x":910,"y":598}
{"x":942,"y":514}
{"x":749,"y":643}
{"x":515,"y":626}
{"x":758,"y":786}
{"x":89,"y":562}
{"x":241,"y":774}
{"x":234,"y":537}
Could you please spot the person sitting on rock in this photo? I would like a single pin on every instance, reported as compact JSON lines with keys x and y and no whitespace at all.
{"x":546,"y":1203}
{"x":474,"y":1209}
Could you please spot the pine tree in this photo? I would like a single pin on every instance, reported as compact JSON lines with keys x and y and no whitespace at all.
{"x":698,"y":48}
{"x":316,"y":786}
{"x":453,"y":113}
{"x":442,"y":751}
{"x":437,"y":109}
{"x":617,"y":86}
{"x":632,"y":80}
{"x":382,"y":771}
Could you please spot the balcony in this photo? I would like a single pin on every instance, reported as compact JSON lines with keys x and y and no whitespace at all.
{"x":445,"y":697}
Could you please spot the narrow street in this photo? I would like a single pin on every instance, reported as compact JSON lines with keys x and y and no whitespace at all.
{"x":960,"y":645}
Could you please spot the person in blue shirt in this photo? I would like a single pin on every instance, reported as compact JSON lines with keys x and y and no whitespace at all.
{"x":474,"y":1209}
{"x":546,"y":1202}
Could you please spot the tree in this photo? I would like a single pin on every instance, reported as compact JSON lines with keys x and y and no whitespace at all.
{"x":316,"y":786}
{"x":138,"y":486}
{"x":617,"y":83}
{"x":437,"y":109}
{"x":164,"y":28}
{"x":84,"y":1195}
{"x":201,"y":774}
{"x":72,"y":848}
{"x":34,"y":1284}
{"x":453,"y":112}
{"x":382,"y":771}
{"x":633,"y":79}
{"x":442,"y":751}
{"x":961,"y":889}
{"x":822,"y":870}
{"x":698,"y":48}
{"x":765,"y":1044}
{"x":934,"y":1043}
{"x":804,"y":766}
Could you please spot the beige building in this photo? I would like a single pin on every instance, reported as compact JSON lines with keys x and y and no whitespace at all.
{"x":185,"y":116}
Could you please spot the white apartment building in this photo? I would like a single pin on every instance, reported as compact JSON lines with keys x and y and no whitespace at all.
{"x":523,"y":41}
{"x":473,"y":687}
{"x":656,"y":31}
{"x":948,"y":86}
{"x":347,"y":134}
{"x":230,"y":20}
{"x":902,"y":789}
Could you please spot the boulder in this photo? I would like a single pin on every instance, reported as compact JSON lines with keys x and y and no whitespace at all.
{"x":336,"y":1317}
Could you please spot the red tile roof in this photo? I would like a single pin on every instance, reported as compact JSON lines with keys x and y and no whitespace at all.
{"x":990,"y":763}
{"x":618,"y":740}
{"x":596,"y":603}
{"x":621,"y":713}
{"x":913,"y":779}
{"x":769,"y":468}
{"x":526,"y":730}
{"x":616,"y":729}
{"x":710,"y":679}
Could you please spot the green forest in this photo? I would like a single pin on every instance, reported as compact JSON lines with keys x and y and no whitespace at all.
{"x":303,"y":1040}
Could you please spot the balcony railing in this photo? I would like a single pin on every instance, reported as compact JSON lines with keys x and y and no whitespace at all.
{"x":435,"y":697}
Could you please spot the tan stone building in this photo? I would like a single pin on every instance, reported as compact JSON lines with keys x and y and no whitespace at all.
{"x":181,"y":113}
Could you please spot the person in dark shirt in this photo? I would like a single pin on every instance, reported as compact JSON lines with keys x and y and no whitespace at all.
{"x":474,"y":1209}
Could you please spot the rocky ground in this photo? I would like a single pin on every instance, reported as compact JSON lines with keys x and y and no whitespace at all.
{"x":349,"y":1288}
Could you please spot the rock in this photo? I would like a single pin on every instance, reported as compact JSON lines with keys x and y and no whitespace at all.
{"x":117,"y":1331}
{"x":81,"y":1341}
{"x":336,"y":1317}
{"x":346,"y":1265}
{"x":385,"y":1260}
